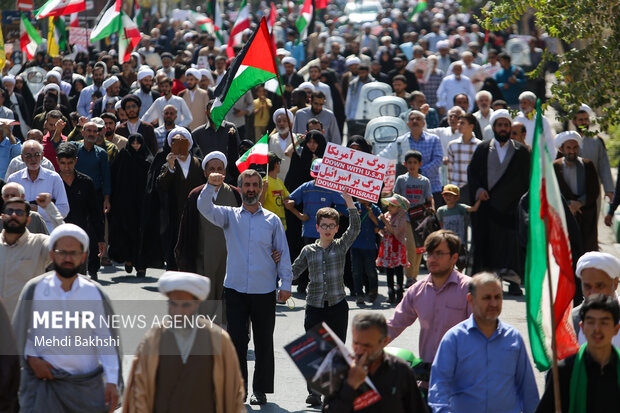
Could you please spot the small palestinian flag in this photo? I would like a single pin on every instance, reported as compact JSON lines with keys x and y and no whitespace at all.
{"x":304,"y":19}
{"x":257,"y":154}
{"x":253,"y":66}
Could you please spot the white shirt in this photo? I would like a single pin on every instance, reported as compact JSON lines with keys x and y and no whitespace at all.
{"x":329,"y":102}
{"x":482,"y":120}
{"x":156,"y":111}
{"x":145,"y":98}
{"x":530,"y":125}
{"x":501,"y":151}
{"x":17,"y":164}
{"x":46,"y":181}
{"x":450,"y":86}
{"x":133,"y":127}
{"x":445,"y":136}
{"x":72,"y":359}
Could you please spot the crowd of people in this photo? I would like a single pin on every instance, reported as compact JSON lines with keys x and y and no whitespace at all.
{"x":120,"y":163}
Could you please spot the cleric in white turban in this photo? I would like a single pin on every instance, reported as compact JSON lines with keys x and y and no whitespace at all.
{"x":69,"y":230}
{"x":215,"y":155}
{"x":194,"y":284}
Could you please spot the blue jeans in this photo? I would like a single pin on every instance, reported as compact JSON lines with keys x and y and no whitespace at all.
{"x":364,"y":261}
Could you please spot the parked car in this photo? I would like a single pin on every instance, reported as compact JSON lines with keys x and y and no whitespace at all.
{"x":358,"y":13}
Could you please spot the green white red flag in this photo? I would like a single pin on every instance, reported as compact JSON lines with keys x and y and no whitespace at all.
{"x":257,"y":154}
{"x":60,"y":8}
{"x":128,"y":37}
{"x":29,"y":37}
{"x":253,"y":66}
{"x":241,"y":23}
{"x":304,"y":19}
{"x":136,"y":15}
{"x":113,"y":20}
{"x":548,"y":259}
{"x":419,"y":8}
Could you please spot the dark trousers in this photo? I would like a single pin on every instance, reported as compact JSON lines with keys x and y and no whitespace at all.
{"x":438,"y":198}
{"x":302,"y":281}
{"x":260,"y":309}
{"x":336,"y":317}
{"x":391,"y":273}
{"x":363,"y":261}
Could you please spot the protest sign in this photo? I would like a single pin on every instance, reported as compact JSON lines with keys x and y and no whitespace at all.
{"x":360,"y":173}
{"x":390,"y":178}
{"x":79,"y":36}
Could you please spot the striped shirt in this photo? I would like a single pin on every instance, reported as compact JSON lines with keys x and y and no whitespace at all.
{"x":459,"y":156}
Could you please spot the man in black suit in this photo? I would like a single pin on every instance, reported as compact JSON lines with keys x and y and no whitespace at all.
{"x":131,"y":105}
{"x":290,"y":78}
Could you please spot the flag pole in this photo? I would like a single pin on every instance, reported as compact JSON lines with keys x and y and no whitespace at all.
{"x":554,"y":349}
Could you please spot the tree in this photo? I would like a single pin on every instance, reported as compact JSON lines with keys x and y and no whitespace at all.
{"x":588,"y":73}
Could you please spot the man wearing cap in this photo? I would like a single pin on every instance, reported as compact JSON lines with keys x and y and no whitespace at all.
{"x":144,"y":92}
{"x":83,"y":106}
{"x":131,"y":105}
{"x":252,"y":234}
{"x":599,"y":273}
{"x":579,"y":185}
{"x":498,"y":175}
{"x":201,"y":247}
{"x":527,"y":116}
{"x":176,"y":180}
{"x":195,"y":99}
{"x":156,"y":111}
{"x":290,"y":78}
{"x":593,"y":148}
{"x":185,"y":369}
{"x":50,"y":374}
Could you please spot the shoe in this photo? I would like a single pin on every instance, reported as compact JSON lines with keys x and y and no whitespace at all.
{"x":359,"y":300}
{"x":106,"y":262}
{"x":258,"y":398}
{"x":372,"y":296}
{"x":391,"y":297}
{"x":399,"y":295}
{"x":93,"y":276}
{"x":314,"y":399}
{"x":128,"y":268}
{"x":410,"y":282}
{"x":141,"y":274}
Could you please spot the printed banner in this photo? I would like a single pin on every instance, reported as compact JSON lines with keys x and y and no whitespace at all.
{"x":79,"y":36}
{"x":360,"y":173}
{"x":390,"y":178}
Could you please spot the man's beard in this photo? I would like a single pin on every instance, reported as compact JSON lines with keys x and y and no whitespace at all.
{"x":572,"y":157}
{"x":283,"y":131}
{"x":20,"y":229}
{"x":109,"y":132}
{"x":316,"y":113}
{"x":502,"y":137}
{"x":66,"y":272}
{"x":249,"y":200}
{"x":145,"y":89}
{"x":168,"y":122}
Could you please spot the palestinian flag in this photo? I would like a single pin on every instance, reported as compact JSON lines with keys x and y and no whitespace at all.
{"x":254,"y":65}
{"x":29,"y":37}
{"x":60,"y":8}
{"x":56,"y":36}
{"x":109,"y":21}
{"x":128,"y":38}
{"x":548,"y":236}
{"x":257,"y":154}
{"x":136,"y":15}
{"x":304,"y":19}
{"x":241,"y":23}
{"x":203,"y":22}
{"x":419,"y":8}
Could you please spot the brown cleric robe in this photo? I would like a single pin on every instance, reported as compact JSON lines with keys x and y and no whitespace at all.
{"x":590,"y":187}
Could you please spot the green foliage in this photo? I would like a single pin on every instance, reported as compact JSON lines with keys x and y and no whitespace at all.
{"x":613,"y":145}
{"x":587,"y":74}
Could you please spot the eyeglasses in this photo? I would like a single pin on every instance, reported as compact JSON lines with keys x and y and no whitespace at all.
{"x":436,"y":255}
{"x":70,"y":254}
{"x":11,"y":211}
{"x":328,"y":226}
{"x":182,"y":304}
{"x":32,"y":155}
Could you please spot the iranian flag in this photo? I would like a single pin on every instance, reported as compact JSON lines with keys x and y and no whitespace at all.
{"x":253,"y":66}
{"x":304,"y":19}
{"x":60,"y":8}
{"x":419,"y":8}
{"x":29,"y":37}
{"x":74,"y":20}
{"x":109,"y":21}
{"x":548,"y":237}
{"x":257,"y":154}
{"x":128,"y":38}
{"x":241,"y":23}
{"x":273,"y":13}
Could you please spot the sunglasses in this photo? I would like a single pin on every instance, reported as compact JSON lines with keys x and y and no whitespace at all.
{"x":11,"y":211}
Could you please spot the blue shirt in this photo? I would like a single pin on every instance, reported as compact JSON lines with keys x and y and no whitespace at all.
{"x":511,"y":95}
{"x":85,"y":99}
{"x":94,"y":163}
{"x":473,"y":373}
{"x":366,"y":240}
{"x":8,"y":152}
{"x":432,"y":157}
{"x":315,"y":198}
{"x":250,"y":241}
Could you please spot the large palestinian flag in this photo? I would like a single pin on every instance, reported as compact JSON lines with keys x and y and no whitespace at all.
{"x":254,"y":65}
{"x":236,"y":33}
{"x":548,"y":237}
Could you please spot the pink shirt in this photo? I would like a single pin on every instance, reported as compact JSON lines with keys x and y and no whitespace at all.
{"x":438,"y":311}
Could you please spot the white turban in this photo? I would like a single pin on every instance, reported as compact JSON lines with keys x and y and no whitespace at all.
{"x":443,"y":44}
{"x":69,"y":230}
{"x":607,"y":263}
{"x":109,"y":82}
{"x":214,"y":155}
{"x":586,"y":108}
{"x":306,"y":85}
{"x":290,"y":60}
{"x":142,"y":73}
{"x":282,"y":52}
{"x":188,"y":36}
{"x":193,"y":72}
{"x":51,"y":86}
{"x":353,"y":61}
{"x":9,"y":79}
{"x":118,"y":105}
{"x":500,"y":113}
{"x":569,"y":135}
{"x":52,"y":73}
{"x":197,"y":285}
{"x":281,"y":112}
{"x":206,"y":73}
{"x":180,"y":131}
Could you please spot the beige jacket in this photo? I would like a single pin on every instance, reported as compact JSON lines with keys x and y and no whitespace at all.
{"x":140,"y":391}
{"x":198,"y":107}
